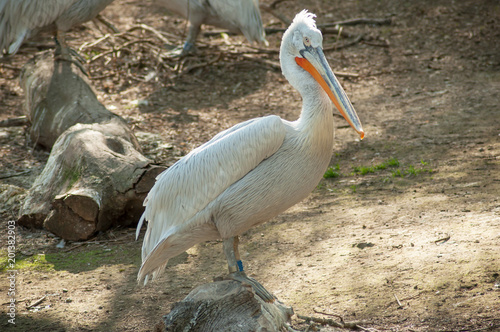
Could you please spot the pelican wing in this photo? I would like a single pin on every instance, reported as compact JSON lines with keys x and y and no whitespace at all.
{"x":175,"y":206}
{"x":19,"y":17}
{"x":244,"y":14}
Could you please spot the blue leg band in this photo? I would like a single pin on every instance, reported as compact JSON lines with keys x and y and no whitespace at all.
{"x":240,"y":265}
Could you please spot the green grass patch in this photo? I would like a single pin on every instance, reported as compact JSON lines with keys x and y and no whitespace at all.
{"x":362,"y":170}
{"x":392,"y":164}
{"x":73,"y":261}
{"x":332,"y":172}
{"x":35,"y":262}
{"x":412,"y":170}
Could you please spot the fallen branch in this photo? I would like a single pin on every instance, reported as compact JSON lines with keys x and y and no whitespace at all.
{"x":355,"y":21}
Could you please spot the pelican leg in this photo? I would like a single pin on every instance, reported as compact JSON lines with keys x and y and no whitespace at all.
{"x":193,"y":31}
{"x":64,"y":52}
{"x":236,"y":272}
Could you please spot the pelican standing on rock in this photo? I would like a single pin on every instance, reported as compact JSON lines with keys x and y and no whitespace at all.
{"x":253,"y":171}
{"x":238,"y":16}
{"x":20,"y":19}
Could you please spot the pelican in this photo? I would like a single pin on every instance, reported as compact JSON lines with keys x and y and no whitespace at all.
{"x":238,"y":16}
{"x":19,"y":19}
{"x":253,"y":171}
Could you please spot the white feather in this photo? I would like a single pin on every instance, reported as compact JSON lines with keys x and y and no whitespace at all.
{"x":176,"y":202}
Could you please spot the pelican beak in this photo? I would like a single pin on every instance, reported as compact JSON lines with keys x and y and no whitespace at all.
{"x":313,"y":61}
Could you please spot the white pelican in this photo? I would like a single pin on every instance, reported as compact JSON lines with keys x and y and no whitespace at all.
{"x":253,"y":171}
{"x":238,"y":16}
{"x":19,"y":19}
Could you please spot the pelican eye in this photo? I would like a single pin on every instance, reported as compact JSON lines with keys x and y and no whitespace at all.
{"x":307,"y":41}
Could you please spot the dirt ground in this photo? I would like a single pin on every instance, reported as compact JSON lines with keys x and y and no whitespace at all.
{"x":412,"y":247}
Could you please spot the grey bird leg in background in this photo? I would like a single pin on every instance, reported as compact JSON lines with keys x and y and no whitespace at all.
{"x":193,"y":31}
{"x":64,"y":52}
{"x":235,"y":266}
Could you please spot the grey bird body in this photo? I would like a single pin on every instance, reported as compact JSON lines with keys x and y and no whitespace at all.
{"x":20,"y":19}
{"x":238,"y":16}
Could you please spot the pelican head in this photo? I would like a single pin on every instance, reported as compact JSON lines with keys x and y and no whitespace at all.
{"x":302,"y":57}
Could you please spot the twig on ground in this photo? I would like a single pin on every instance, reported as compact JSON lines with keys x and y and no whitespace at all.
{"x":107,"y":23}
{"x":329,"y":30}
{"x":34,"y":304}
{"x":397,"y":300}
{"x":259,"y":50}
{"x":443,"y":240}
{"x":6,"y":66}
{"x":331,"y":322}
{"x":121,"y":47}
{"x":17,"y":301}
{"x":271,"y":9}
{"x":385,"y":43}
{"x":336,"y":31}
{"x":157,"y":33}
{"x":344,"y":45}
{"x":275,"y":3}
{"x":289,"y":328}
{"x":344,"y":74}
{"x":94,"y":43}
{"x":355,"y":21}
{"x":79,"y":244}
{"x":273,"y":64}
{"x":183,"y":71}
{"x":14,"y":122}
{"x":328,"y":314}
{"x":7,"y":176}
{"x":487,"y":328}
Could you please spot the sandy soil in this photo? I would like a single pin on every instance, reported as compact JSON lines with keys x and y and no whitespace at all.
{"x":412,"y":247}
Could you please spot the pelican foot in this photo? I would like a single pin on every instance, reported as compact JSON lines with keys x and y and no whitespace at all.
{"x":180,"y":52}
{"x":263,"y":293}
